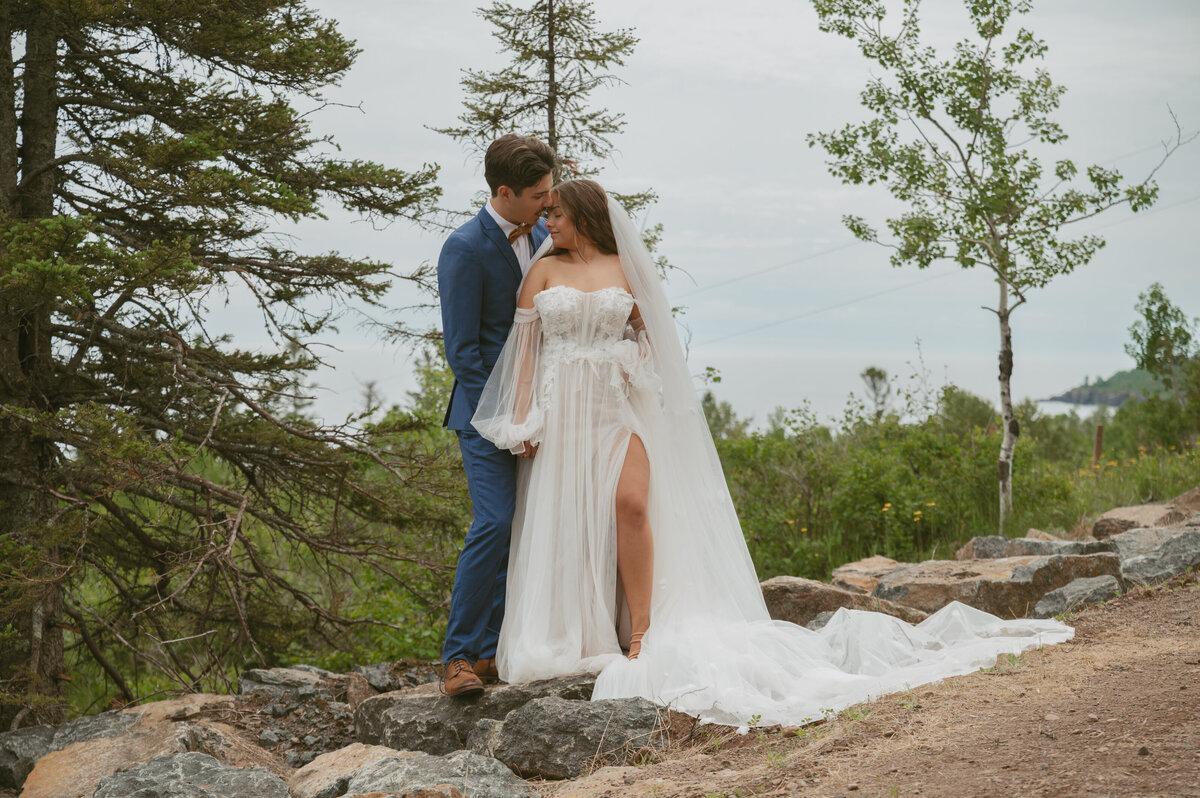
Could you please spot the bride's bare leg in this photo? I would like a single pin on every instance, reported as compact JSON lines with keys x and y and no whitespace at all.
{"x":635,"y":545}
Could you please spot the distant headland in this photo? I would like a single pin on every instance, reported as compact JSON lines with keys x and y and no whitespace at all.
{"x":1114,"y":391}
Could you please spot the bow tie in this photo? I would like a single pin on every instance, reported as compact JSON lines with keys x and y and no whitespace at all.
{"x":518,"y":231}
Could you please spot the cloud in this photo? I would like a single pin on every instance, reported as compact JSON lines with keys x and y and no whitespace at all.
{"x":718,"y":100}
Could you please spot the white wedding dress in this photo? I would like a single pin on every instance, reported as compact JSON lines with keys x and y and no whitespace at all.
{"x":578,"y":380}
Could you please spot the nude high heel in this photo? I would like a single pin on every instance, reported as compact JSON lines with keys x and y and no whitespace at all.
{"x":635,"y":645}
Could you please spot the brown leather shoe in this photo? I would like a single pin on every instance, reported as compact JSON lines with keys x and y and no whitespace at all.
{"x":459,"y":680}
{"x":485,"y":669}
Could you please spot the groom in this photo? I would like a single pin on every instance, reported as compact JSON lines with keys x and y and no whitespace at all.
{"x":479,"y":274}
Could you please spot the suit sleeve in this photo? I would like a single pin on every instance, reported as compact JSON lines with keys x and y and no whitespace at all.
{"x":460,"y":284}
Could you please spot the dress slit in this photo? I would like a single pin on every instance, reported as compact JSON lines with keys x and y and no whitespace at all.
{"x":624,"y":619}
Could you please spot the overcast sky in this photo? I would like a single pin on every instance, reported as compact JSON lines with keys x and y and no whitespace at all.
{"x":718,"y":100}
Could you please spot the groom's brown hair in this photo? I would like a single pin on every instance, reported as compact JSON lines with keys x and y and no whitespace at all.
{"x":517,"y":162}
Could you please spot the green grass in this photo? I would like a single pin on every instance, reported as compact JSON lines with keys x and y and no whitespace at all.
{"x":919,"y":491}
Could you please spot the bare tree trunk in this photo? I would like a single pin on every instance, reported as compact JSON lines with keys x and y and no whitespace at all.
{"x":30,"y":573}
{"x":8,"y":115}
{"x":1009,"y":420}
{"x":39,"y":116}
{"x":552,"y":88}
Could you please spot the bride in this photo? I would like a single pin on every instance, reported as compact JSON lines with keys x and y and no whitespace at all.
{"x":627,"y":558}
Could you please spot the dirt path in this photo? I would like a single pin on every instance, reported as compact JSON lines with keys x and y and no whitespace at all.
{"x":1114,"y":712}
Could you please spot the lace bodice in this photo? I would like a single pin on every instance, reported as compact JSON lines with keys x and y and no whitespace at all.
{"x":585,"y":324}
{"x":572,"y":346}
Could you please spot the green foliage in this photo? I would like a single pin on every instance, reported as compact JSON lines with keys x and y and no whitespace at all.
{"x":402,"y":613}
{"x":559,"y":56}
{"x":1114,"y":391}
{"x":879,"y":389}
{"x":949,"y":139}
{"x":1164,"y":343}
{"x":960,"y":139}
{"x":1132,"y":381}
{"x":918,"y":488}
{"x":161,"y":499}
{"x":722,"y":421}
{"x":1162,"y":339}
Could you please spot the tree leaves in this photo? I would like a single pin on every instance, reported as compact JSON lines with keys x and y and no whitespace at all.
{"x":949,"y":138}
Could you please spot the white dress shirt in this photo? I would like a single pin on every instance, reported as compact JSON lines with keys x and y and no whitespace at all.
{"x":523,"y":246}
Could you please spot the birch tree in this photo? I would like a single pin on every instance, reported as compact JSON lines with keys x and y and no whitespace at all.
{"x":960,"y":139}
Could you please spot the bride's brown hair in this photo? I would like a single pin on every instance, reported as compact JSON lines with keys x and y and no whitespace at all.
{"x":586,"y":205}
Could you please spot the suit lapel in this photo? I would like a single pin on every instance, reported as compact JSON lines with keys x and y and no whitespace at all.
{"x":497,"y":237}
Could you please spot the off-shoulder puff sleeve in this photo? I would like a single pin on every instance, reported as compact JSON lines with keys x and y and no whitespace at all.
{"x":510,"y":410}
{"x":637,"y":361}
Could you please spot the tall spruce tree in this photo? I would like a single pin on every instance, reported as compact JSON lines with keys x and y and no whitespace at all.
{"x":951,"y":139}
{"x":158,"y":499}
{"x":558,"y":58}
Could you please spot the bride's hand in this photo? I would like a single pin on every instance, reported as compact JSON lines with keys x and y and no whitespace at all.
{"x":530,"y":450}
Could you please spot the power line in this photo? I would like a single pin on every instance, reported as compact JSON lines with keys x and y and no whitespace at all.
{"x":847,"y":245}
{"x":748,"y":275}
{"x":808,"y":313}
{"x":1136,"y":216}
{"x":863,"y":298}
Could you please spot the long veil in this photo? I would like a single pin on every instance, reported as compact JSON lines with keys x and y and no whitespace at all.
{"x":712,"y":649}
{"x":698,"y":542}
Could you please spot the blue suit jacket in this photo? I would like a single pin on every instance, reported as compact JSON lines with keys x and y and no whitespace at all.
{"x":478,"y":279}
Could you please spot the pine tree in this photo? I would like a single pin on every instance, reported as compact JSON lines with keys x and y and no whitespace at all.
{"x":558,"y":58}
{"x":158,"y":498}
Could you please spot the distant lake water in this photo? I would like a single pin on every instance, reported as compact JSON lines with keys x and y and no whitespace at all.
{"x":1063,"y":408}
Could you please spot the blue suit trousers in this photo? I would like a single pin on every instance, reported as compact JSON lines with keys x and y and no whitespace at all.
{"x":477,"y":601}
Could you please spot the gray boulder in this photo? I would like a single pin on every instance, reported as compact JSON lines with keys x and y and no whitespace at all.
{"x":818,"y":623}
{"x":1009,"y":587}
{"x":474,"y":775}
{"x":553,"y":738}
{"x":328,"y":775}
{"x":388,"y":676}
{"x":799,"y":600}
{"x":1172,"y":557}
{"x":299,"y":682}
{"x":93,"y":727}
{"x":382,"y":676}
{"x":485,"y":737}
{"x":1179,"y":511}
{"x":313,"y":669}
{"x":1107,"y":527}
{"x":19,"y":750}
{"x":422,"y":719}
{"x":861,"y":576}
{"x":191,"y":775}
{"x":1142,"y":540}
{"x":1076,"y":594}
{"x":988,"y":547}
